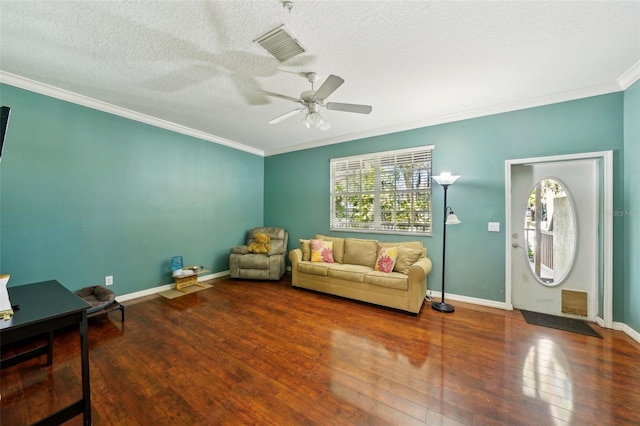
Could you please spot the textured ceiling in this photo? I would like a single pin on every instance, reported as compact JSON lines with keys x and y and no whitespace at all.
{"x":194,"y":63}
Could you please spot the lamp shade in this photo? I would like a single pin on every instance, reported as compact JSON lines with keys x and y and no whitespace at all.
{"x":445,"y":178}
{"x":305,"y":122}
{"x":452,"y":219}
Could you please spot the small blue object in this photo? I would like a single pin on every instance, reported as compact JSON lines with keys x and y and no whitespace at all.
{"x":176,"y":263}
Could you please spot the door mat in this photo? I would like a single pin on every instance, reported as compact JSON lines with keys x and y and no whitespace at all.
{"x":173,"y":293}
{"x":560,"y":323}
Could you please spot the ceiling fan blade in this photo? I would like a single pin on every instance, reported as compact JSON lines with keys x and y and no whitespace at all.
{"x":278,"y":95}
{"x":338,"y":106}
{"x":285,"y":116}
{"x":328,"y":87}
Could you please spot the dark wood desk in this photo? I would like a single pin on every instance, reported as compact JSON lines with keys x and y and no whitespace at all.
{"x":45,"y":307}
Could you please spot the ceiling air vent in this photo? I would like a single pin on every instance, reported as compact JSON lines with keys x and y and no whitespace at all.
{"x":280,"y":44}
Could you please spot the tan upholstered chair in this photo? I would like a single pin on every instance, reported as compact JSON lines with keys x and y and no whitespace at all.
{"x":270,"y":266}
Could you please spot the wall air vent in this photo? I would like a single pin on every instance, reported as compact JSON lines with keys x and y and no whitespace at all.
{"x":279,"y":43}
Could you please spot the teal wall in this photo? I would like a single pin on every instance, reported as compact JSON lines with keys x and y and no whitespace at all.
{"x":632,"y":206}
{"x":297,"y":183}
{"x":85,"y":194}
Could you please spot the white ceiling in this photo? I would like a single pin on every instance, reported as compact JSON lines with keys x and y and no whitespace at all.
{"x":193,"y":66}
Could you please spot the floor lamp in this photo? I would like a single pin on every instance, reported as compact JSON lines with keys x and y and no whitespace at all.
{"x":445,"y":180}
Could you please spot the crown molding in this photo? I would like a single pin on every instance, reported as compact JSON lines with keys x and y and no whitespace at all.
{"x":631,"y":76}
{"x":625,"y":81}
{"x":65,"y":95}
{"x":553,"y":98}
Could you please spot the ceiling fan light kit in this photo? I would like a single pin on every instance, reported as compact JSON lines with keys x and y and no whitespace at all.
{"x":313,"y":101}
{"x":315,"y":118}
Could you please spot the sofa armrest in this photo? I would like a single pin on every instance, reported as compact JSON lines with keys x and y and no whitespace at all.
{"x":420,"y":269}
{"x":417,"y":281}
{"x":239,"y":250}
{"x":295,"y":256}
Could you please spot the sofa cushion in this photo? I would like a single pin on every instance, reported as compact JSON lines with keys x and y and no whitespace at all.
{"x":360,"y":252}
{"x":314,"y":268}
{"x":321,"y":251}
{"x":406,"y":258}
{"x":393,"y":280}
{"x":305,"y":246}
{"x":355,"y":273}
{"x":338,"y":247}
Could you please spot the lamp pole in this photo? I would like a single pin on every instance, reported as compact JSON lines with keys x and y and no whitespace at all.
{"x":442,"y":306}
{"x":445,"y":180}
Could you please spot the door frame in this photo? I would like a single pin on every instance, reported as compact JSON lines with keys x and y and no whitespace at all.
{"x":606,"y":220}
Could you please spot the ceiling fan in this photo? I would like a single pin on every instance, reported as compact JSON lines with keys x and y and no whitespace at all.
{"x":313,"y":102}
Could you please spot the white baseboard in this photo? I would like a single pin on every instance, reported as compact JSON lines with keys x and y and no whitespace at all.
{"x":154,"y":290}
{"x":472,"y":300}
{"x":627,"y":330}
{"x":501,"y":305}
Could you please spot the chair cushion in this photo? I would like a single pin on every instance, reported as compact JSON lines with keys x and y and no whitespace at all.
{"x":97,"y":296}
{"x":254,"y":261}
{"x":277,"y":247}
{"x":274,"y":233}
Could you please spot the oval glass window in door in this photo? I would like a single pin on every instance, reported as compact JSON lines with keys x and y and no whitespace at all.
{"x":550,"y":232}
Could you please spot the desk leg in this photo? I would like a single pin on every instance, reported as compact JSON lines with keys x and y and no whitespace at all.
{"x":50,"y":349}
{"x":86,"y":385}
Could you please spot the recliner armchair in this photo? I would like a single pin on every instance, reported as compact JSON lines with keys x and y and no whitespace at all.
{"x":270,"y":266}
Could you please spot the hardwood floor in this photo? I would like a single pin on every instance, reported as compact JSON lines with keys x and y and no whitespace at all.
{"x":248,"y":352}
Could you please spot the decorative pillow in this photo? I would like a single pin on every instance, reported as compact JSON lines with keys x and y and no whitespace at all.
{"x":406,"y":258}
{"x":305,"y":246}
{"x":321,"y":251}
{"x":338,"y":247}
{"x":386,"y":259}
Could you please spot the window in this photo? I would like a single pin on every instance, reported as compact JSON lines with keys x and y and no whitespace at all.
{"x":384,"y":192}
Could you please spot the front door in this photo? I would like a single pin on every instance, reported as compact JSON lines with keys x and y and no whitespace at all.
{"x":554,"y":218}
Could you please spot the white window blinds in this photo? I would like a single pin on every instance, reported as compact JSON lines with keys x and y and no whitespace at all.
{"x":387,"y":192}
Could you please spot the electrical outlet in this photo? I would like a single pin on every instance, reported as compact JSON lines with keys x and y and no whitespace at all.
{"x":108,"y":280}
{"x":494,"y":226}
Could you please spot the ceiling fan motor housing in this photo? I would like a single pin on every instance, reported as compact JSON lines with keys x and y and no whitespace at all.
{"x":308,"y":96}
{"x":312,"y":77}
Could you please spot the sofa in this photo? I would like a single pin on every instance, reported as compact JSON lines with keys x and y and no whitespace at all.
{"x":359,"y":269}
{"x":257,"y":266}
